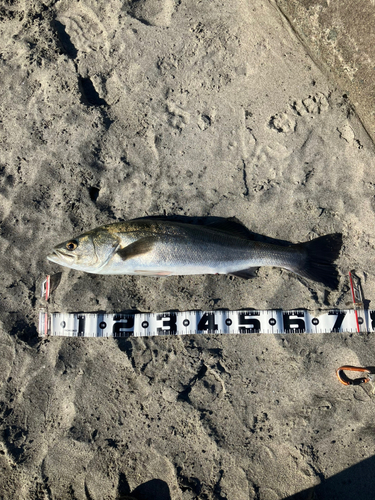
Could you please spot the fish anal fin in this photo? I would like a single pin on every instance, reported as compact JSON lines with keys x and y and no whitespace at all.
{"x":246,"y":274}
{"x":152,"y":273}
{"x":139,"y":247}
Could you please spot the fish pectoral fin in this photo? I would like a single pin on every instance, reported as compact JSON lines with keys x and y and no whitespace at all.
{"x":140,"y":247}
{"x":246,"y":274}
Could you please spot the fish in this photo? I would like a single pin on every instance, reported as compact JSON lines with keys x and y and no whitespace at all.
{"x":157,"y":246}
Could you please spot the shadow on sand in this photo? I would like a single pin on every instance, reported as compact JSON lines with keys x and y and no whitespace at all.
{"x":357,"y":482}
{"x":156,"y":489}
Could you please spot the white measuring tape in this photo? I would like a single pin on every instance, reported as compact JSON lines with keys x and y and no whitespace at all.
{"x":198,"y":322}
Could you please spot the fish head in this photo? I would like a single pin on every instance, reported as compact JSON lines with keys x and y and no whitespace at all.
{"x":89,"y":252}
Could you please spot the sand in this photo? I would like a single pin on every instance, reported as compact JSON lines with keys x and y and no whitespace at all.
{"x":115,"y":110}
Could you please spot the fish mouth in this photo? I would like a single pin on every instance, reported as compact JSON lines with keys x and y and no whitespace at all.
{"x":57,"y":256}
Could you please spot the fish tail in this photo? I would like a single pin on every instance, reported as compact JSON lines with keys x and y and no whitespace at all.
{"x":321,"y":254}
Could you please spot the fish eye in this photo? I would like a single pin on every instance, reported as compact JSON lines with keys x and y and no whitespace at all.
{"x":72,"y":245}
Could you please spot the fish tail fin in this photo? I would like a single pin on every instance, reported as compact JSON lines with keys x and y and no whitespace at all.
{"x":321,"y":254}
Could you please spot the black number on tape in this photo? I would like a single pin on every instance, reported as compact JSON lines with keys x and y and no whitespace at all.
{"x":247,"y":323}
{"x":169,"y":323}
{"x":207,"y":323}
{"x":372,"y":316}
{"x":81,"y":325}
{"x":124,"y":325}
{"x":339,"y":320}
{"x":294,"y":325}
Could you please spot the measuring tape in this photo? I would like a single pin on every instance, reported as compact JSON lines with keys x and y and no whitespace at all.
{"x":357,"y":320}
{"x":200,"y":322}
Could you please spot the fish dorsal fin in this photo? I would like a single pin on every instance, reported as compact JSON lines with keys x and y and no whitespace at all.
{"x":246,"y":274}
{"x":233,"y":227}
{"x":140,"y":247}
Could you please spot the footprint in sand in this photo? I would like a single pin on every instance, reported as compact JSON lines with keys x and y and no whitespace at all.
{"x":85,"y":30}
{"x":153,"y":12}
{"x":178,"y":118}
{"x":286,"y":122}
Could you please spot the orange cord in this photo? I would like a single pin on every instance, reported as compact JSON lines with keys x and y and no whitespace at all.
{"x":344,"y":379}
